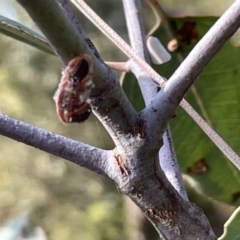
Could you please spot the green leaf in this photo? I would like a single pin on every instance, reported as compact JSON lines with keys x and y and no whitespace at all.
{"x":216,"y":97}
{"x":21,"y":33}
{"x":231,"y":227}
{"x":133,"y":92}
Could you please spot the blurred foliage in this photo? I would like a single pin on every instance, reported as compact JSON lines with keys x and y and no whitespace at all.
{"x":21,"y":228}
{"x":69,"y":202}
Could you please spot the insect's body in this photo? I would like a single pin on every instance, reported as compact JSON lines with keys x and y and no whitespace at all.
{"x":74,"y":90}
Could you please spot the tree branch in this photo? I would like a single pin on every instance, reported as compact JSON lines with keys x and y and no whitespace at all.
{"x":120,"y":43}
{"x":134,"y":160}
{"x":136,"y":33}
{"x":203,"y":52}
{"x":169,"y":164}
{"x":170,"y":96}
{"x":167,"y":156}
{"x":146,"y":68}
{"x":175,"y":88}
{"x":108,"y":100}
{"x":65,"y":39}
{"x":92,"y":158}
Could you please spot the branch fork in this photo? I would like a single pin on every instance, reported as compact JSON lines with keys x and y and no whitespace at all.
{"x":133,"y":165}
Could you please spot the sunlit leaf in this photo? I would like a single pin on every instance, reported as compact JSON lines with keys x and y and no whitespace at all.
{"x":231,"y":227}
{"x":21,"y":33}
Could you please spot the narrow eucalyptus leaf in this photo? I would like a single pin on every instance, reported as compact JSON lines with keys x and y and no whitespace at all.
{"x":21,"y":33}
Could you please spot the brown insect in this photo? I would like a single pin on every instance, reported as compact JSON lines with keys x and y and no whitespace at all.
{"x":72,"y":95}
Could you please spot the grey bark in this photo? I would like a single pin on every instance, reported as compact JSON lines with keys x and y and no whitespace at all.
{"x":133,"y":165}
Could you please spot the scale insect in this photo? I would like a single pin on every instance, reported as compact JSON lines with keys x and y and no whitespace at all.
{"x":72,"y":95}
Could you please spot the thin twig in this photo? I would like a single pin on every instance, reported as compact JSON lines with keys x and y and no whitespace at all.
{"x":119,"y":66}
{"x":169,"y":164}
{"x":161,"y":18}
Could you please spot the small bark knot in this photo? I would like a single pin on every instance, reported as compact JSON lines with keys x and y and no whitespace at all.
{"x":163,"y":216}
{"x":139,"y":129}
{"x":120,"y":163}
